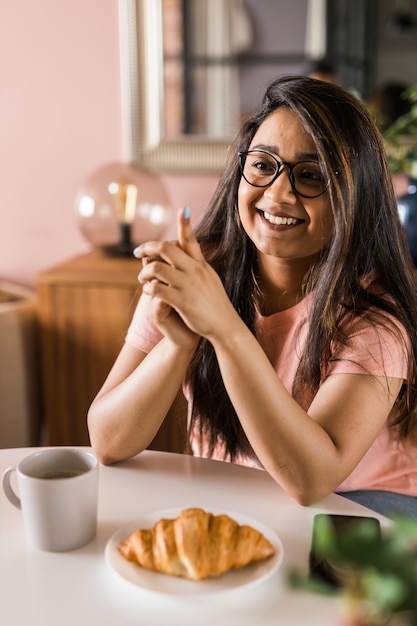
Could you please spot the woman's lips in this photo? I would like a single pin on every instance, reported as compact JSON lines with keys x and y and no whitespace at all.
{"x":280,"y":220}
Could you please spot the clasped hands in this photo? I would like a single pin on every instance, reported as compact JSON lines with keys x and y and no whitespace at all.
{"x":189,"y":299}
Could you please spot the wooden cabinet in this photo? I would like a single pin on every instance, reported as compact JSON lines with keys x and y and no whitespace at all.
{"x":85,"y":307}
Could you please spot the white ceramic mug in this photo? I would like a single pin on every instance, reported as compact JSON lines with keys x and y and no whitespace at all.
{"x":58,"y":493}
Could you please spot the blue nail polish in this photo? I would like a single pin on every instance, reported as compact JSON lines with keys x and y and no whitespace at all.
{"x":135,"y":251}
{"x":187,"y":212}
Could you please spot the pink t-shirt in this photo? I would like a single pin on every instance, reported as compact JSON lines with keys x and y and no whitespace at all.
{"x":389,"y":464}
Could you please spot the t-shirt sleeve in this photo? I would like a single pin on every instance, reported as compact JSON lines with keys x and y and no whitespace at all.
{"x":142,"y":332}
{"x":374,"y":350}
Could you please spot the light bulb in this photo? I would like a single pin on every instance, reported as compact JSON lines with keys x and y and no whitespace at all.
{"x":120,"y":206}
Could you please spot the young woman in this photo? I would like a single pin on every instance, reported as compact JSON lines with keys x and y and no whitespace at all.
{"x":290,"y":315}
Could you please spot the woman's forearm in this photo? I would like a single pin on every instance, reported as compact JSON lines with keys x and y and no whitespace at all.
{"x":126,"y":414}
{"x":308,"y":454}
{"x":280,"y":431}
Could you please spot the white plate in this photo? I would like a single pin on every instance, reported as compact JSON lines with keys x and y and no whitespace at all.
{"x":161,"y":583}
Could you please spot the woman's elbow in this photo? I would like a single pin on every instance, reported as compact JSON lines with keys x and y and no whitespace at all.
{"x":106,"y":454}
{"x":110,"y":448}
{"x":307,"y":492}
{"x":101,"y":448}
{"x":103,"y":454}
{"x":307,"y":499}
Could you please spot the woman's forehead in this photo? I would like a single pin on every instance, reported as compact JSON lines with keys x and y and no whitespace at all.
{"x":281,"y":133}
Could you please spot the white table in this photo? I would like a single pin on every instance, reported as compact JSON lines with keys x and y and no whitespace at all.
{"x":79,"y":588}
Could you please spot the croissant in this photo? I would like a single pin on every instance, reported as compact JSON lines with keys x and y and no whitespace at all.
{"x":196,"y":545}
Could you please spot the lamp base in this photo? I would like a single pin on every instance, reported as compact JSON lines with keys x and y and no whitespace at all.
{"x":125,"y":246}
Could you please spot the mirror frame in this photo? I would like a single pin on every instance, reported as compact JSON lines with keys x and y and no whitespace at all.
{"x":142,"y":87}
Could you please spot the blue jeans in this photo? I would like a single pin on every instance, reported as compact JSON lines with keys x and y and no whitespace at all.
{"x":386,"y":503}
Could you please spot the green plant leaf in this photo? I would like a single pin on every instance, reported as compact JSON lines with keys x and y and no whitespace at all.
{"x":380,"y":571}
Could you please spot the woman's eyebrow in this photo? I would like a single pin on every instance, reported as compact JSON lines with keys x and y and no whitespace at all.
{"x":302,"y":156}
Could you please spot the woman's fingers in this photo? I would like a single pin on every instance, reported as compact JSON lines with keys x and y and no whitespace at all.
{"x":159,"y":271}
{"x":171,"y":324}
{"x":154,"y":250}
{"x":172,"y":252}
{"x":186,"y":238}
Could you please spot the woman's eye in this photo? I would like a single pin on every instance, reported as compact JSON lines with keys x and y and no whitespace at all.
{"x":312,"y":175}
{"x":264,"y":166}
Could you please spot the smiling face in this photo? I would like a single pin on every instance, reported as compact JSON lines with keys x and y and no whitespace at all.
{"x":280,"y":222}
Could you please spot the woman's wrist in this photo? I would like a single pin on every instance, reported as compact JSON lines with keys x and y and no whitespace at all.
{"x":184,"y":349}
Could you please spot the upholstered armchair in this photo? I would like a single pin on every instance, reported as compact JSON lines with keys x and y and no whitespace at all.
{"x":19,"y":367}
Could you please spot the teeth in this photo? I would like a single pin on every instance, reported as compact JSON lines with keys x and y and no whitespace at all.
{"x":275,"y":219}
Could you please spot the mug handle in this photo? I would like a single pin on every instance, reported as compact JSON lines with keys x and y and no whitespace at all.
{"x":8,"y":490}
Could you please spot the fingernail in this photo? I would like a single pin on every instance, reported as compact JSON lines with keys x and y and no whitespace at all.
{"x":136,"y":251}
{"x":187,"y":212}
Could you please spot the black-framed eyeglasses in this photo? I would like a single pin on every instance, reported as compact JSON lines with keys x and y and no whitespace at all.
{"x":260,"y":169}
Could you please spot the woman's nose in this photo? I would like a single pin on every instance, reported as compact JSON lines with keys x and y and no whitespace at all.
{"x":281,"y":188}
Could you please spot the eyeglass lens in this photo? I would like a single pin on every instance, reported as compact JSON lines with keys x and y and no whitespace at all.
{"x":306,"y":177}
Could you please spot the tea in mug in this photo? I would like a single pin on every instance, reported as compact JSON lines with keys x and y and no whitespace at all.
{"x":61,"y":473}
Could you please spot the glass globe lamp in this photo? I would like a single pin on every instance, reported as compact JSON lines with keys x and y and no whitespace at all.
{"x":119,"y":207}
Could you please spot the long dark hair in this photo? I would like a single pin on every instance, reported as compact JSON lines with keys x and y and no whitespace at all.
{"x":367,"y":240}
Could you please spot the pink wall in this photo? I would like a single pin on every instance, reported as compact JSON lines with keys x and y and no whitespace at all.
{"x":60,"y":119}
